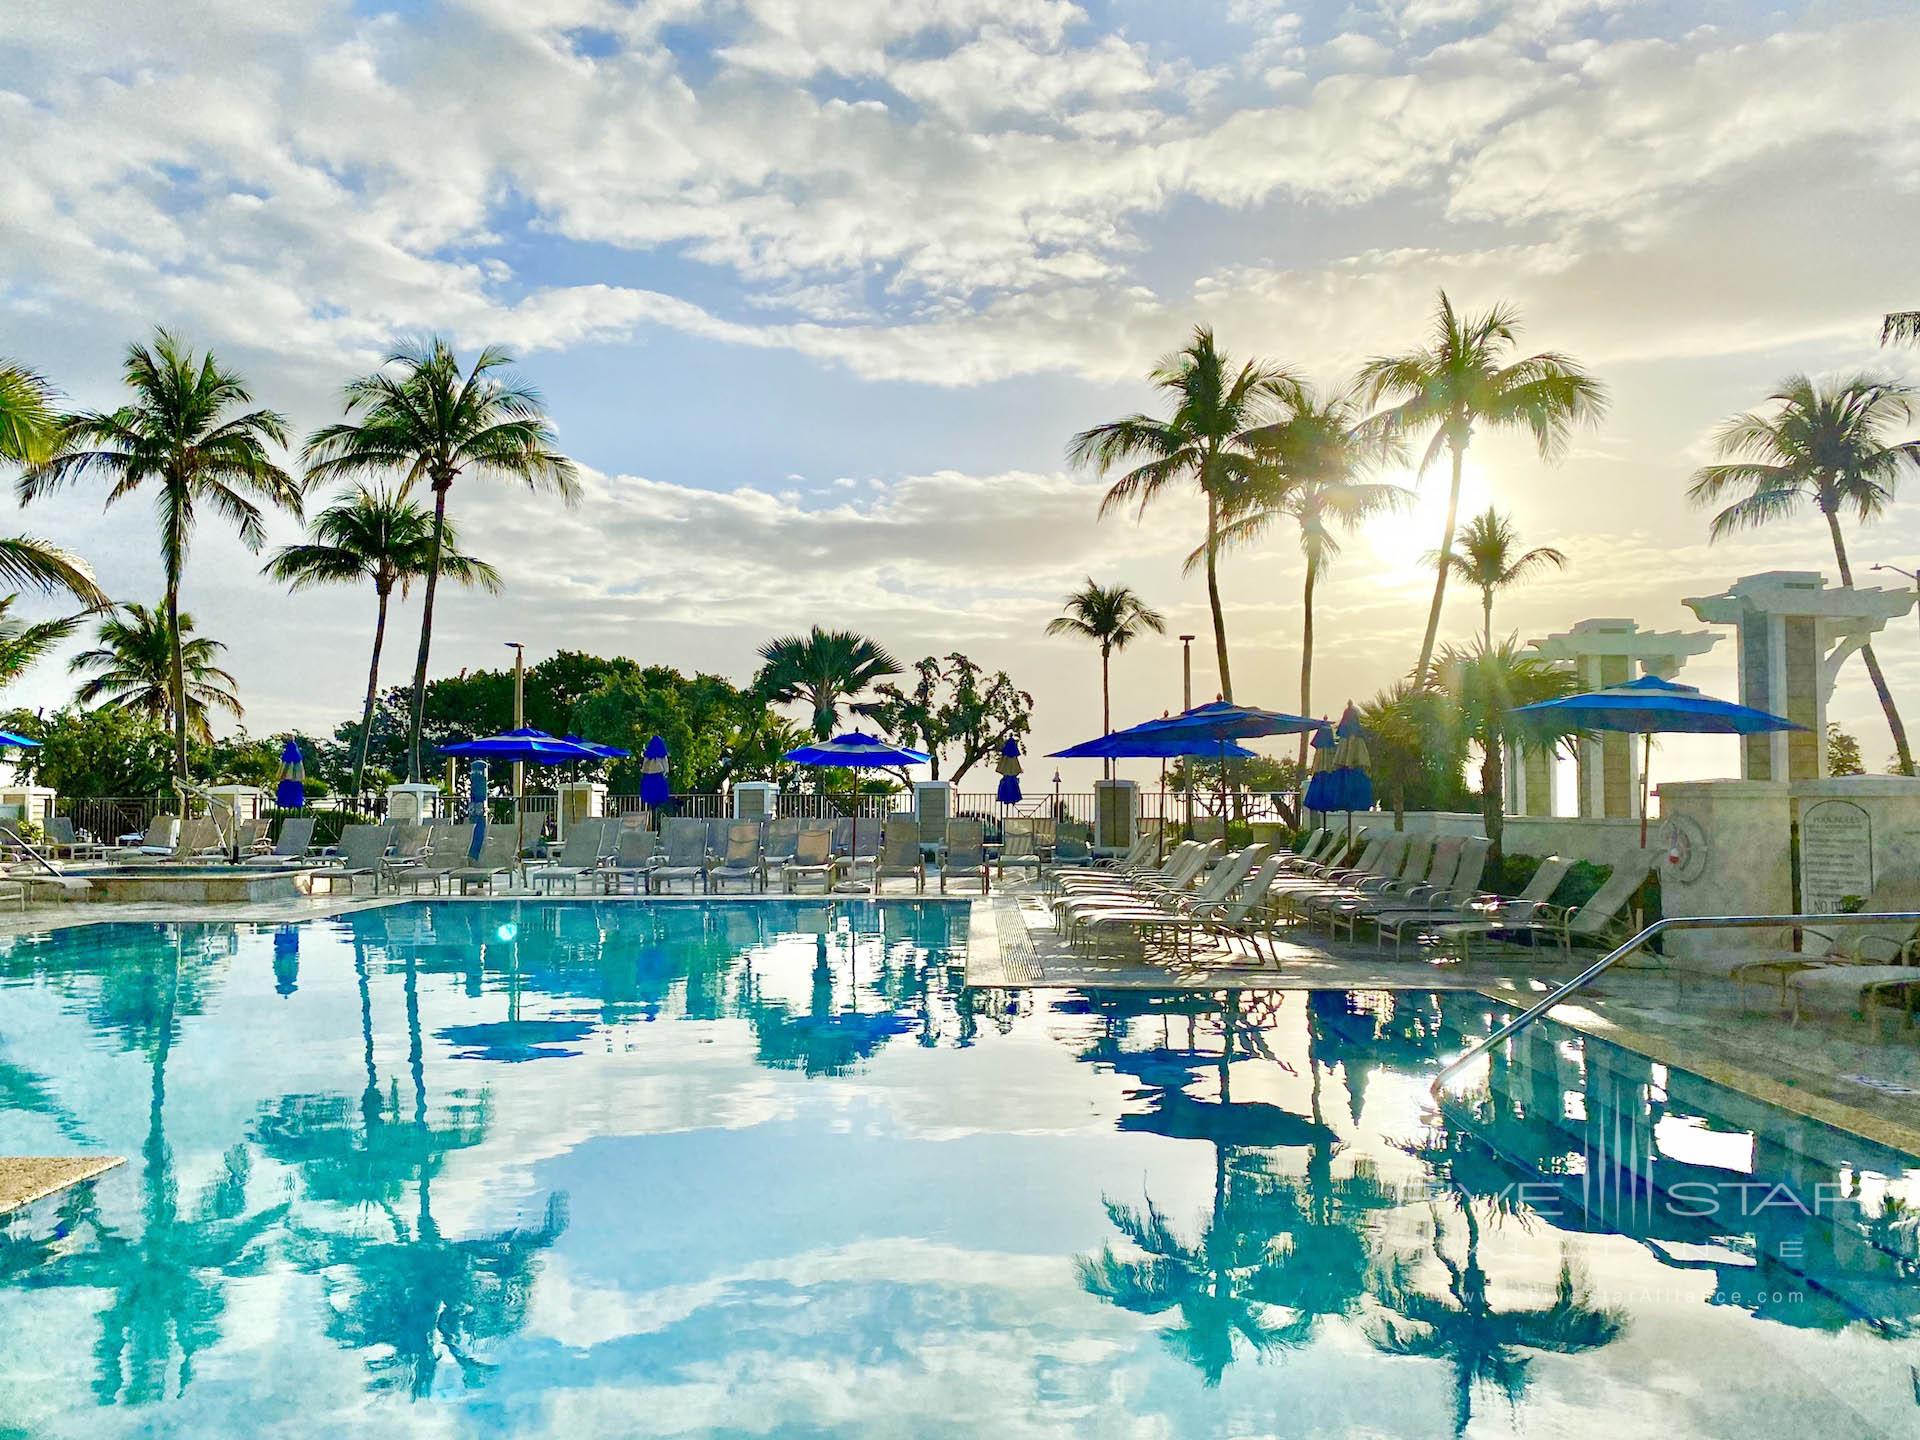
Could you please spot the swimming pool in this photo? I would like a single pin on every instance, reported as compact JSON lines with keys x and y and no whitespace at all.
{"x":766,"y":1168}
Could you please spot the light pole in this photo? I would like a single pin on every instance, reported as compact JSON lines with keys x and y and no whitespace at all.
{"x":519,"y":718}
{"x":1056,"y":798}
{"x":1913,"y":575}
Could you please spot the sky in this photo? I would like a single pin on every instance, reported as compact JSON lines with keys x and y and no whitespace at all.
{"x":817,"y":293}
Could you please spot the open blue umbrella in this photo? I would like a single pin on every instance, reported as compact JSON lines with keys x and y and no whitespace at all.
{"x":7,"y":737}
{"x":1132,"y":745}
{"x":1651,"y":706}
{"x":525,"y":746}
{"x":1221,"y":721}
{"x":1009,"y":768}
{"x":605,"y":752}
{"x":856,"y":750}
{"x":654,"y":791}
{"x":291,"y":792}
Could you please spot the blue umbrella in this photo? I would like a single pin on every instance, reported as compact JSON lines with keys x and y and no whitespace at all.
{"x":7,"y":737}
{"x":1132,"y":745}
{"x":1348,"y":786}
{"x":605,"y":752}
{"x":1651,"y":706}
{"x":856,"y":750}
{"x":1316,"y":796}
{"x":526,"y":747}
{"x":1221,"y":721}
{"x":1009,"y":767}
{"x":291,"y":792}
{"x":653,"y":774}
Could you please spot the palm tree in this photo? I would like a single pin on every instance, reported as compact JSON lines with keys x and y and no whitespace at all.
{"x":1313,"y":464}
{"x":182,"y":434}
{"x":822,"y":670}
{"x":1824,"y":445}
{"x":23,"y":644}
{"x":1458,"y":381}
{"x":1483,"y":686}
{"x":1484,"y":558}
{"x":386,"y":537}
{"x":1113,"y":617}
{"x":1203,"y":442}
{"x":29,"y":427}
{"x":426,"y":420}
{"x":132,"y":668}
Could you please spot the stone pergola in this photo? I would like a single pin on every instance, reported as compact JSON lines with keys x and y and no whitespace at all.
{"x":1794,"y":633}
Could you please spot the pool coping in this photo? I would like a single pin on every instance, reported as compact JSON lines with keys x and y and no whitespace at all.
{"x":26,"y":1179}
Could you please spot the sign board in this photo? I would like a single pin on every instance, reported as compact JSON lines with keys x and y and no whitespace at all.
{"x":1836,"y":855}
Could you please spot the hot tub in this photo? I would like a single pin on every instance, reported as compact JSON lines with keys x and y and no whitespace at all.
{"x":188,"y":884}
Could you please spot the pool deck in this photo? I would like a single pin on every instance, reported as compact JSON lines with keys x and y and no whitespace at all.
{"x":1825,"y":1069}
{"x":27,"y":1178}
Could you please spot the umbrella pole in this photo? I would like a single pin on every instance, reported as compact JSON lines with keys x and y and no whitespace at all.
{"x":1160,"y":850}
{"x":1646,"y":765}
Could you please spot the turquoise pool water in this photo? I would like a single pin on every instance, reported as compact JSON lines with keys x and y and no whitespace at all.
{"x":766,"y":1169}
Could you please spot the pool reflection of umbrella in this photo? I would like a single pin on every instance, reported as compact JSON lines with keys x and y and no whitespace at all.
{"x":291,"y":792}
{"x":1651,"y":706}
{"x":1009,"y":768}
{"x":653,"y":774}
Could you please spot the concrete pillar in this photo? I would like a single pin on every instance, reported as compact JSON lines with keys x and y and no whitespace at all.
{"x":1727,"y":844}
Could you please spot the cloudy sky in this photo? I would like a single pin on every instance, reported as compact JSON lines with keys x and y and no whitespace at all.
{"x":817,"y":292}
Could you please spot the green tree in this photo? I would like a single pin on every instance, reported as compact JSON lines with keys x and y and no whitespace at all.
{"x":422,"y":418}
{"x":183,"y":437}
{"x":24,"y":644}
{"x":1485,"y":557}
{"x":1112,"y":617}
{"x":716,"y":733}
{"x":1462,"y":380}
{"x":822,"y":670}
{"x":1824,"y":445}
{"x":137,"y":660}
{"x":1314,"y":464}
{"x":1483,"y":686}
{"x":106,"y":751}
{"x":1843,"y":752}
{"x":1202,"y":443}
{"x":1415,"y":753}
{"x":954,"y":704}
{"x":29,"y":433}
{"x":382,"y":536}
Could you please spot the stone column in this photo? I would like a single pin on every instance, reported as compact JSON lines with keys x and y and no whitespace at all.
{"x":1727,"y":855}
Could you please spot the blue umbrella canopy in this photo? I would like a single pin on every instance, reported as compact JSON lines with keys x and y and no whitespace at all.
{"x":1009,"y":768}
{"x":1323,"y":744}
{"x":654,"y":791}
{"x":605,"y":752}
{"x":1133,"y":745}
{"x":526,"y":746}
{"x":1348,"y":786}
{"x":291,"y":792}
{"x":1652,"y":706}
{"x":856,"y":750}
{"x":1219,"y":720}
{"x":7,"y":737}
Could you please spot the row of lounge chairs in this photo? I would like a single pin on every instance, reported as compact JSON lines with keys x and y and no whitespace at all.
{"x":197,"y":839}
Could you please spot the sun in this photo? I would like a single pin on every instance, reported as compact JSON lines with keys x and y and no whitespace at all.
{"x":1396,"y":545}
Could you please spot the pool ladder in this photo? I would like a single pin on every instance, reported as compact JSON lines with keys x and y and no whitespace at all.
{"x":1607,"y":961}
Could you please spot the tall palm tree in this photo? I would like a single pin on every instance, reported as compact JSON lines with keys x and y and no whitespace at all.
{"x":1202,"y":443}
{"x":190,"y":435}
{"x":1112,"y":617}
{"x":1314,"y":464}
{"x":1825,"y":445}
{"x":386,"y":537}
{"x":1484,"y":557}
{"x":424,"y":419}
{"x":1462,"y":379}
{"x":132,"y":668}
{"x":822,"y":670}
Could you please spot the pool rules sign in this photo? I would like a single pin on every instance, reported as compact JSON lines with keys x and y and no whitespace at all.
{"x":1836,"y":855}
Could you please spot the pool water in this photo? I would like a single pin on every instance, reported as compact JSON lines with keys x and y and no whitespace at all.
{"x":768,"y":1169}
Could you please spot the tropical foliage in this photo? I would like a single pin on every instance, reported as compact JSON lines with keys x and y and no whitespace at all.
{"x":821,"y":671}
{"x":1488,"y":557}
{"x":1201,"y":442}
{"x":1112,"y":617}
{"x":189,"y":436}
{"x":134,"y":665}
{"x":1825,"y":446}
{"x":1466,"y":379}
{"x":425,"y":420}
{"x":385,"y":538}
{"x":954,"y":705}
{"x":1482,"y":686}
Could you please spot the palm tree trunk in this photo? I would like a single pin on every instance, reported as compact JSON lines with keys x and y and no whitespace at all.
{"x":1493,"y":799}
{"x":1306,"y":659}
{"x":1873,"y":661}
{"x":179,"y":684}
{"x":440,"y":487}
{"x":373,"y":689}
{"x":1486,"y":619}
{"x":1106,"y":704}
{"x":1458,"y":449}
{"x":1213,"y":598}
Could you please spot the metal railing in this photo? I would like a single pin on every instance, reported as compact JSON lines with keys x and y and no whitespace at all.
{"x":1675,"y":922}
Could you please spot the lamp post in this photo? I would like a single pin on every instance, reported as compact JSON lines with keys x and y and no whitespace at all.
{"x":519,"y":718}
{"x":1056,"y":797}
{"x":1913,"y":575}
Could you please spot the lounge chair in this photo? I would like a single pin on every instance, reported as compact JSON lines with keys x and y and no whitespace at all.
{"x":1435,"y":890}
{"x":1310,"y":850}
{"x":686,"y":857}
{"x":158,"y":841}
{"x":1020,"y":848}
{"x":635,"y":851}
{"x":1072,"y":850}
{"x":782,"y":836}
{"x":1227,"y":918}
{"x":1085,"y":919}
{"x":451,"y":849}
{"x":1380,"y":855}
{"x":857,"y":870}
{"x":900,"y":857}
{"x":499,"y":855}
{"x":578,"y":859}
{"x":965,"y":855}
{"x":63,"y":843}
{"x":1597,"y":922}
{"x":1463,"y":906}
{"x":1180,"y":865}
{"x":198,"y":838}
{"x":362,"y":848}
{"x":1407,"y":861}
{"x":812,"y":860}
{"x":296,"y":834}
{"x":1864,"y":985}
{"x":742,"y":861}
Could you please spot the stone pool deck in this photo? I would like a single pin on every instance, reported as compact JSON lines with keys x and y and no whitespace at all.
{"x":27,"y":1178}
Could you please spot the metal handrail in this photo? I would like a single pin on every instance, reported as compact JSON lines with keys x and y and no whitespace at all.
{"x":1675,"y":922}
{"x":12,"y":837}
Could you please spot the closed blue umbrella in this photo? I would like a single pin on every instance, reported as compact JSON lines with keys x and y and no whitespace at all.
{"x":654,"y":791}
{"x":1009,"y":767}
{"x":291,"y":792}
{"x":1316,"y":796}
{"x":1348,"y":786}
{"x":1651,"y":706}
